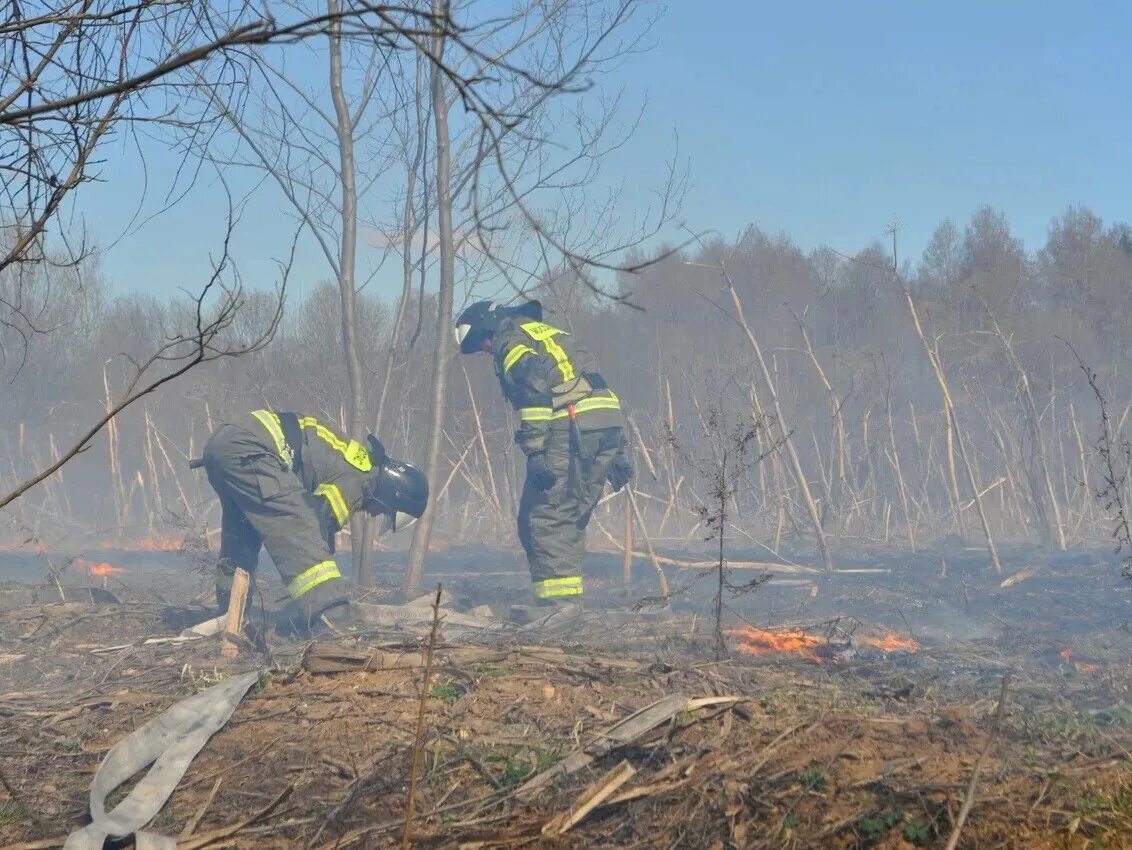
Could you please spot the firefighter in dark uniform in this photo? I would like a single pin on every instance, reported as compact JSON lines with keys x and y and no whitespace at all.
{"x":570,"y":431}
{"x":289,"y":483}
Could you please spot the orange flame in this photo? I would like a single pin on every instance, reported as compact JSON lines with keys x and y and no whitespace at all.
{"x":1081,"y":666}
{"x":147,"y":544}
{"x":889,"y":643}
{"x":100,"y":569}
{"x":763,"y":642}
{"x":766,"y":642}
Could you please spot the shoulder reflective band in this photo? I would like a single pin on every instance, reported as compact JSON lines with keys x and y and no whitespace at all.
{"x":270,"y":422}
{"x":540,"y":330}
{"x":333,"y":494}
{"x":545,"y":334}
{"x":514,"y":355}
{"x":353,"y":451}
{"x":308,"y":580}
{"x":552,"y":588}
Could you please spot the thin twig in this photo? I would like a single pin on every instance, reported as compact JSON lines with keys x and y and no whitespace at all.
{"x":417,"y":742}
{"x":969,"y":796}
{"x":191,"y":826}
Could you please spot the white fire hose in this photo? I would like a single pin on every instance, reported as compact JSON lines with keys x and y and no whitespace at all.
{"x":169,"y":742}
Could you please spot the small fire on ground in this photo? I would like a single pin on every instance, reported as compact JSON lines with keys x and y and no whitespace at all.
{"x":100,"y":569}
{"x":167,"y":543}
{"x":814,"y":647}
{"x":1081,"y":666}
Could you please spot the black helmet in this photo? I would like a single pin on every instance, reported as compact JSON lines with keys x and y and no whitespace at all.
{"x":399,"y":491}
{"x":481,"y":320}
{"x":475,"y":324}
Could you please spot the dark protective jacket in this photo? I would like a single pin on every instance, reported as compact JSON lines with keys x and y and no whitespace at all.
{"x":542,"y":373}
{"x":330,"y":467}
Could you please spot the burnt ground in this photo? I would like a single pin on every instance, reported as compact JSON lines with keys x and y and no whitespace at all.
{"x":864,"y":749}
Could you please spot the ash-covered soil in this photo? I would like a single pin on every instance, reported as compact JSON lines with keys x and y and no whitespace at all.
{"x":862,"y":748}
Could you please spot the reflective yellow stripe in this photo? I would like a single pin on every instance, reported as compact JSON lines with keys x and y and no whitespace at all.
{"x":270,"y":421}
{"x":514,"y":355}
{"x":564,"y":365}
{"x":547,"y":414}
{"x":308,"y":580}
{"x":333,"y":494}
{"x":545,"y":334}
{"x":610,"y":402}
{"x":552,"y":588}
{"x":536,"y":414}
{"x":354,"y":452}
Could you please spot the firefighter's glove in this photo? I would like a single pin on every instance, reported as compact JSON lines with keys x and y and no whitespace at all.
{"x":620,"y":471}
{"x":539,"y":472}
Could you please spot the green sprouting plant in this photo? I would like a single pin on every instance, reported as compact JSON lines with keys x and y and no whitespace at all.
{"x":11,"y":812}
{"x":449,"y":692}
{"x":492,"y":670}
{"x":917,"y":832}
{"x":813,"y":779}
{"x":874,"y":827}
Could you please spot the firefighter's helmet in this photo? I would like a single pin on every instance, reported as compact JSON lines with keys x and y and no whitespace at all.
{"x":481,"y":320}
{"x":398,"y":491}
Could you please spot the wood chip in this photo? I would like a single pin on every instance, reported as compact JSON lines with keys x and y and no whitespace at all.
{"x":635,"y":726}
{"x":594,"y":795}
{"x":1019,"y":576}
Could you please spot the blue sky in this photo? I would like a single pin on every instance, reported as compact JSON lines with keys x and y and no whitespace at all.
{"x":822,"y":120}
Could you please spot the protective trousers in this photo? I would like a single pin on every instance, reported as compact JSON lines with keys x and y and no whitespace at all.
{"x":263,"y":503}
{"x":552,"y":524}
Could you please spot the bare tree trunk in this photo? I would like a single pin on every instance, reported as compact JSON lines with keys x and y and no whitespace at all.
{"x":347,"y":258}
{"x":409,"y":225}
{"x":423,"y":529}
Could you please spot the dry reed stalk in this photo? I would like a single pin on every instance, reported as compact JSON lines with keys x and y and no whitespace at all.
{"x":663,"y":579}
{"x":627,"y":558}
{"x":117,"y":486}
{"x":780,"y":421}
{"x":418,"y":734}
{"x":483,"y":442}
{"x":953,"y":431}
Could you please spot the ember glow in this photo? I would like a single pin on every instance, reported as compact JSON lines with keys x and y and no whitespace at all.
{"x":1080,"y":666}
{"x":99,"y":569}
{"x":763,"y":642}
{"x":769,"y":642}
{"x":889,"y":643}
{"x":146,"y":544}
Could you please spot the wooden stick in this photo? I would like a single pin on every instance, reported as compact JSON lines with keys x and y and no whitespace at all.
{"x":969,"y":797}
{"x":192,"y":825}
{"x":234,"y":621}
{"x":594,"y":795}
{"x":418,"y":736}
